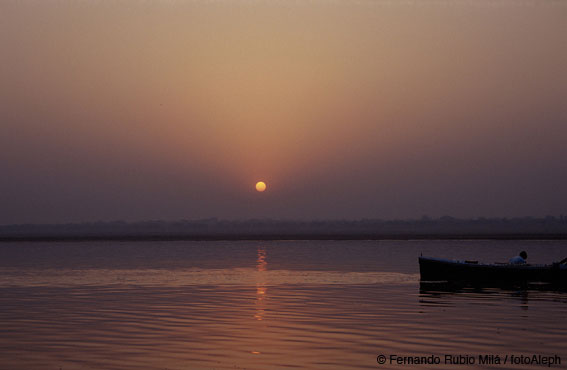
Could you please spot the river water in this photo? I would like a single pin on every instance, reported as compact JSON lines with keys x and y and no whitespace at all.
{"x":272,"y":304}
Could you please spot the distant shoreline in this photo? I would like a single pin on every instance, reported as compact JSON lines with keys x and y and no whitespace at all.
{"x":275,"y":237}
{"x":444,"y":228}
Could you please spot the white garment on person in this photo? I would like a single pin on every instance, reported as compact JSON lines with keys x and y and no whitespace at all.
{"x":518,"y":260}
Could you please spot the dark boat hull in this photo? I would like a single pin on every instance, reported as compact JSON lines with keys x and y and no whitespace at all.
{"x":435,"y":269}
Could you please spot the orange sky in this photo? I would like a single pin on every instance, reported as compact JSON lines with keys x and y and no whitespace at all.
{"x":347,"y":109}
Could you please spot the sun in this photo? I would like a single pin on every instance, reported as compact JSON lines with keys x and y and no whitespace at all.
{"x":260,"y":186}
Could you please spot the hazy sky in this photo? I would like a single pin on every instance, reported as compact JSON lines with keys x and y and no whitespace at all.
{"x":169,"y":109}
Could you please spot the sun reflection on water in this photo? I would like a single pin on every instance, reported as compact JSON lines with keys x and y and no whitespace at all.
{"x":261,"y":289}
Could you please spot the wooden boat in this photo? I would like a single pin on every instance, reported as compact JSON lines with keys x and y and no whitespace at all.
{"x":438,"y":269}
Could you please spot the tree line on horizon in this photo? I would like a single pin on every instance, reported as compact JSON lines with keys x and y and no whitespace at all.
{"x":214,"y":226}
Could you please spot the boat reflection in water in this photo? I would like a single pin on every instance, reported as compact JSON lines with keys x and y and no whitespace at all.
{"x":453,"y":293}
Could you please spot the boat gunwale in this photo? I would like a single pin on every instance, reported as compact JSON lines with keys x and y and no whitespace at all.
{"x":504,"y":266}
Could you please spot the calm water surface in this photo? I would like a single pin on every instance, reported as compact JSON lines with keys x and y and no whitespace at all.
{"x":259,"y":305}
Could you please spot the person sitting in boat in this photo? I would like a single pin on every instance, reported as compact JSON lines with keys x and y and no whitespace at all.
{"x":519,"y":259}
